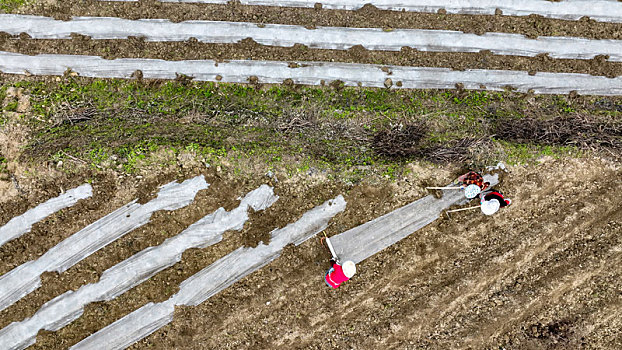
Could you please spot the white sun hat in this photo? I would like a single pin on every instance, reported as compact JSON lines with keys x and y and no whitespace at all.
{"x":349,"y":269}
{"x":490,"y":207}
{"x":471,"y":191}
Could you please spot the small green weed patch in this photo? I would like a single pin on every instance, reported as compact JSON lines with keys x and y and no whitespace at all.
{"x":3,"y":164}
{"x":7,"y":6}
{"x":517,"y":153}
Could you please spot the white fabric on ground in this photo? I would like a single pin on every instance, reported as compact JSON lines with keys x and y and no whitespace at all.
{"x":25,"y":278}
{"x":23,"y":223}
{"x":340,"y":38}
{"x":361,"y":242}
{"x":599,"y":10}
{"x":313,"y":73}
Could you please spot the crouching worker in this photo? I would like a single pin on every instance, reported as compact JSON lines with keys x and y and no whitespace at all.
{"x":338,"y":274}
{"x":473,"y":178}
{"x":493,"y":200}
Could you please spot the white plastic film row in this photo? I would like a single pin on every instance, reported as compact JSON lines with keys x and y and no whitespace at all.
{"x":212,"y":280}
{"x":313,"y":73}
{"x":599,"y":10}
{"x":21,"y":224}
{"x":25,"y":278}
{"x":321,"y":37}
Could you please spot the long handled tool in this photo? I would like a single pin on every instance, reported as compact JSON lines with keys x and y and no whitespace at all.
{"x":332,"y":250}
{"x":461,"y":209}
{"x":470,"y":191}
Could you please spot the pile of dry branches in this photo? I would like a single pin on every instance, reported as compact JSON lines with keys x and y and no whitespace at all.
{"x":576,"y":130}
{"x":399,"y":141}
{"x":461,"y":150}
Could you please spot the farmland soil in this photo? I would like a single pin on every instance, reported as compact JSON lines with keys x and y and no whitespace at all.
{"x":368,"y":16}
{"x":543,"y":273}
{"x":248,"y":49}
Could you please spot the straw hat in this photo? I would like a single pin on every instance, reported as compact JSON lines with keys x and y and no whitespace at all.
{"x":349,"y":269}
{"x":471,"y":191}
{"x":490,"y":207}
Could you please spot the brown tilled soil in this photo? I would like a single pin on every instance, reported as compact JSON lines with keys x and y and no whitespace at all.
{"x":368,"y":16}
{"x":543,"y":273}
{"x":249,"y":49}
{"x":531,"y":26}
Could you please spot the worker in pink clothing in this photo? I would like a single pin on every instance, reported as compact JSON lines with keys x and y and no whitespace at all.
{"x":339,"y":273}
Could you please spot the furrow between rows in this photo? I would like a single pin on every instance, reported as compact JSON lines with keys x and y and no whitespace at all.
{"x":600,"y":10}
{"x":248,"y":49}
{"x":23,"y":223}
{"x":532,"y":26}
{"x":312,"y":73}
{"x":321,"y":37}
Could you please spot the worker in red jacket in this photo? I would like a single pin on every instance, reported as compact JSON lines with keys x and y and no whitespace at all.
{"x":473,"y":178}
{"x":339,"y":273}
{"x":492,"y":200}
